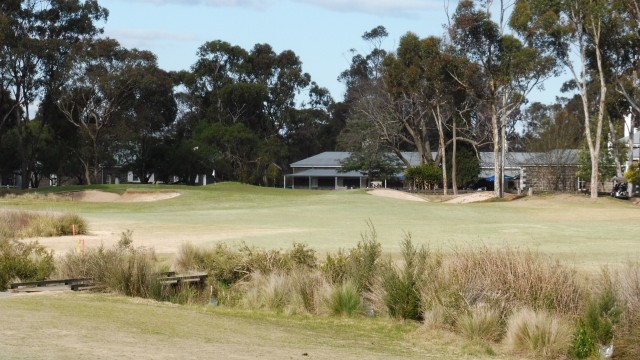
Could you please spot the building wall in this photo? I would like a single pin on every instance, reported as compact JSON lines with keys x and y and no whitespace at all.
{"x":551,"y":178}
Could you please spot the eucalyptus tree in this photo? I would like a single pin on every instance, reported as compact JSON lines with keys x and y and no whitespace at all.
{"x":572,"y":32}
{"x":258,"y":89}
{"x":509,"y":69}
{"x":98,"y":91}
{"x":37,"y":36}
{"x":146,"y":117}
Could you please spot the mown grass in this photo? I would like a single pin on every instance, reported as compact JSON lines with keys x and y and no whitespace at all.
{"x":116,"y":327}
{"x":572,"y":229}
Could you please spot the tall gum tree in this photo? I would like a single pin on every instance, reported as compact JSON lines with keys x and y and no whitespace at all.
{"x":36,"y":38}
{"x":570,"y":31}
{"x":100,"y":85}
{"x":510,"y":70}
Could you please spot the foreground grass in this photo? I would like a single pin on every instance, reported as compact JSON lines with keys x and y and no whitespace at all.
{"x":93,"y":326}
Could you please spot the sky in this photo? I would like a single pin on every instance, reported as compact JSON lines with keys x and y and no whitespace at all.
{"x":321,"y":32}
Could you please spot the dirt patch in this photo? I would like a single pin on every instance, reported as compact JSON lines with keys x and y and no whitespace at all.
{"x":128,"y":196}
{"x":396,"y":194}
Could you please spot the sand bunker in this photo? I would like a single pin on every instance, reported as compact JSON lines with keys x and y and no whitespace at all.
{"x":470,"y":198}
{"x":128,"y":196}
{"x":395,"y":194}
{"x":462,"y":199}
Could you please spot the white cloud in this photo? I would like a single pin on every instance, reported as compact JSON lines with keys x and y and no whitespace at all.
{"x":388,"y":7}
{"x":381,"y":7}
{"x":256,"y":4}
{"x":145,"y":39}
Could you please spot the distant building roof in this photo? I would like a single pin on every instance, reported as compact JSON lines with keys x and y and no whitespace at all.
{"x":326,"y":173}
{"x":333,"y":159}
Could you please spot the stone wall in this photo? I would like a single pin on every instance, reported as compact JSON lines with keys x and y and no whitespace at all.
{"x":551,"y":178}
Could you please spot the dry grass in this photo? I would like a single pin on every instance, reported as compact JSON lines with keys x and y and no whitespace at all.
{"x":25,"y":224}
{"x":538,"y":333}
{"x":511,"y":278}
{"x":481,"y":323}
{"x":297,"y":292}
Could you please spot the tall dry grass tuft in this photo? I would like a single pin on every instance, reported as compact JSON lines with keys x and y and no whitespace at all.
{"x":124,"y":269}
{"x":35,"y":224}
{"x":481,"y":323}
{"x":510,"y":279}
{"x":297,"y":292}
{"x":538,"y":333}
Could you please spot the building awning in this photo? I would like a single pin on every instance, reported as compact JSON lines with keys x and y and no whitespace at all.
{"x":327,"y":173}
{"x":489,"y":173}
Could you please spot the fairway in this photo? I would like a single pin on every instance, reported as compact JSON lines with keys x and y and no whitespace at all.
{"x":572,"y":228}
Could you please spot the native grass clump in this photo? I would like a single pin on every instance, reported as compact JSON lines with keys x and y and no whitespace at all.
{"x":128,"y":270}
{"x":25,"y":224}
{"x":516,"y":300}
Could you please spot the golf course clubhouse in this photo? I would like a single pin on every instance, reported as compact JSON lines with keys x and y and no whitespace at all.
{"x":551,"y":171}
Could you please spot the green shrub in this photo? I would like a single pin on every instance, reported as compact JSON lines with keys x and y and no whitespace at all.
{"x":596,"y":325}
{"x":222,"y":263}
{"x":538,"y":333}
{"x":625,"y":284}
{"x":345,"y":300}
{"x":229,"y":266}
{"x":359,"y":265}
{"x":403,"y":285}
{"x":20,"y":261}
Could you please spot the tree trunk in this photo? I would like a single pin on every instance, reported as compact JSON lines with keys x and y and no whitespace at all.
{"x":496,"y":152}
{"x":454,"y":162}
{"x":443,"y":150}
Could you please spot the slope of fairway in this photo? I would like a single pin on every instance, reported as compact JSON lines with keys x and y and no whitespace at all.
{"x":576,"y":229}
{"x":95,"y":326}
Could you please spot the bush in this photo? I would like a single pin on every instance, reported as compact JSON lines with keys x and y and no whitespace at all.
{"x":21,"y":261}
{"x":359,"y":266}
{"x":625,"y":284}
{"x":596,"y":325}
{"x":403,"y":286}
{"x":537,"y":333}
{"x":345,"y":300}
{"x":230,"y":266}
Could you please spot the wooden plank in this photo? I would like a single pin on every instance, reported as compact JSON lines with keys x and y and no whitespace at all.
{"x":49,"y":282}
{"x":41,"y":288}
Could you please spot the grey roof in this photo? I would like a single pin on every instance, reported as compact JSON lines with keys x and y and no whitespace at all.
{"x":332,"y":159}
{"x":326,"y":159}
{"x":326,"y":173}
{"x":517,"y":159}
